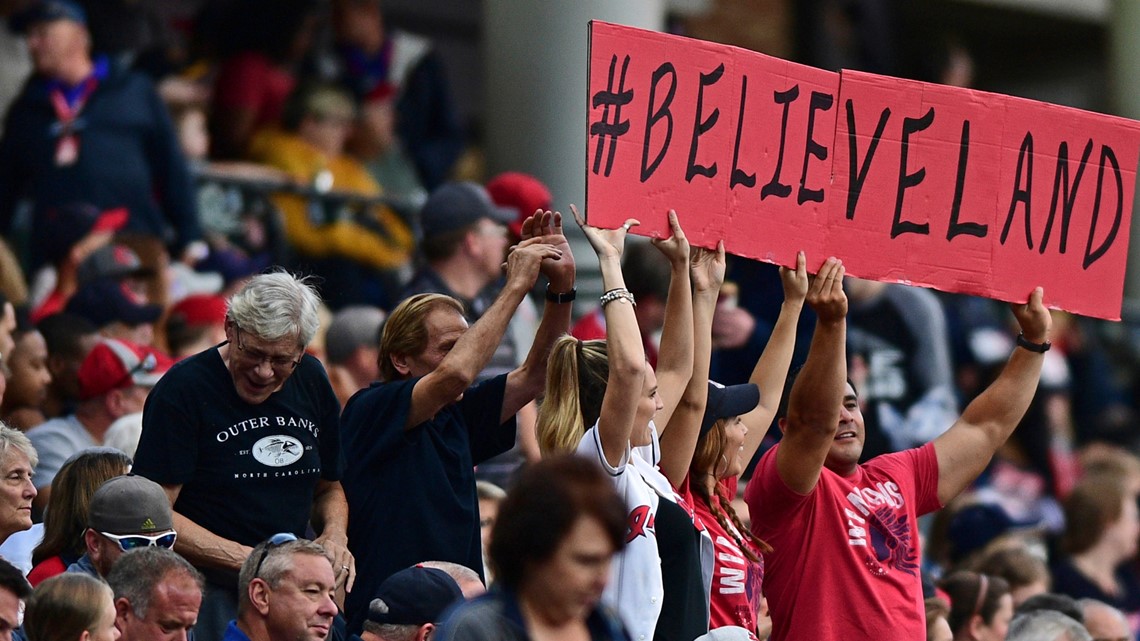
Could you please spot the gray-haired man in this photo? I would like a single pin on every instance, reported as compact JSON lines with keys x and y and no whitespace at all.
{"x":157,"y":595}
{"x":244,"y":437}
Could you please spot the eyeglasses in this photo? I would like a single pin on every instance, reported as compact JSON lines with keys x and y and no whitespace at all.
{"x":280,"y":364}
{"x":128,"y":542}
{"x":281,"y":538}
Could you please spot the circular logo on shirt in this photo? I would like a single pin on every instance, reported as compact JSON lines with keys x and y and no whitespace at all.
{"x":277,"y":451}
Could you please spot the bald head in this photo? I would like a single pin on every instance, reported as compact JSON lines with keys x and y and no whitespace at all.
{"x":1104,"y":621}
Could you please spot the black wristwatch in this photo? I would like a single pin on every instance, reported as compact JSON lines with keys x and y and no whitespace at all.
{"x":564,"y":297}
{"x":1039,"y":348}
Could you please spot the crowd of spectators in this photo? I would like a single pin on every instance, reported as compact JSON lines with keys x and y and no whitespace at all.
{"x":269,"y":369}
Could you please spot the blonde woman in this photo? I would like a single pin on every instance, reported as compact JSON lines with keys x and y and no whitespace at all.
{"x":71,"y":607}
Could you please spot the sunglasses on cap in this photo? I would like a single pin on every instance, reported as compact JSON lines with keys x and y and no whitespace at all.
{"x":128,"y":542}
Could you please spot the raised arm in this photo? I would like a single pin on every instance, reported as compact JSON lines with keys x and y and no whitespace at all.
{"x":624,"y":350}
{"x":526,"y":382}
{"x":679,"y":440}
{"x":815,"y":404}
{"x":966,"y":448}
{"x":771,"y":371}
{"x":474,"y":347}
{"x":675,"y":358}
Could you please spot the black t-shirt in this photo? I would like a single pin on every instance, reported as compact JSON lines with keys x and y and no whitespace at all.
{"x":684,"y":608}
{"x":411,"y":493}
{"x":247,"y":471}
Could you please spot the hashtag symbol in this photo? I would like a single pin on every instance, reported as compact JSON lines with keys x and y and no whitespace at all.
{"x":605,"y":128}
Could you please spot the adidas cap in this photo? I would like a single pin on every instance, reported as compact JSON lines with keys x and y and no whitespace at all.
{"x":130,"y":504}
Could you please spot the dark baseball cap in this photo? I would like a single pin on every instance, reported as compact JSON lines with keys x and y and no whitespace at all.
{"x":456,"y":205}
{"x":106,"y":301}
{"x":728,"y":401}
{"x":414,"y":596}
{"x":130,"y":504}
{"x":111,"y":261}
{"x":48,"y":11}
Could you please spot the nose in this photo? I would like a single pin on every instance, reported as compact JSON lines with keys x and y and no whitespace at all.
{"x":264,"y":368}
{"x":30,"y":490}
{"x":845,"y":415}
{"x":328,"y":606}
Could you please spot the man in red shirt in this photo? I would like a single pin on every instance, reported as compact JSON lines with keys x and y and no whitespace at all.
{"x":846,"y":556}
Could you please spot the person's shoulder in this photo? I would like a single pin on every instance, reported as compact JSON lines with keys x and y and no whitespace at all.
{"x":53,"y":426}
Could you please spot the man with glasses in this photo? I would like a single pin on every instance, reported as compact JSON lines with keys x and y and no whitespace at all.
{"x":126,"y":513}
{"x":286,"y":589}
{"x":244,"y":437}
{"x":114,"y":380}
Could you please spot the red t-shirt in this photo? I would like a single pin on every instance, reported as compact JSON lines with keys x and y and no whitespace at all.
{"x":737,"y":581}
{"x":845,"y":560}
{"x":46,"y":569}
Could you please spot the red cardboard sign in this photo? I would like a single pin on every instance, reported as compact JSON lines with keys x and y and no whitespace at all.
{"x":959,"y":190}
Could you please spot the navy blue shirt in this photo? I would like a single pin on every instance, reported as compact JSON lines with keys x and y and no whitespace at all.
{"x":411,"y":493}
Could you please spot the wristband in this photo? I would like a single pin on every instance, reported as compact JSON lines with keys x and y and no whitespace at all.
{"x":1037,"y":348}
{"x":559,"y":298}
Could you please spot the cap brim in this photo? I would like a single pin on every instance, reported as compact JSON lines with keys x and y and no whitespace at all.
{"x":731,"y":400}
{"x":505,"y":215}
{"x":139,"y":314}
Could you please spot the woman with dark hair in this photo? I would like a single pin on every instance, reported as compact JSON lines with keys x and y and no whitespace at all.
{"x":728,"y":424}
{"x":980,"y":606}
{"x":1101,"y":533}
{"x":64,"y":524}
{"x":71,"y":607}
{"x":549,"y":585}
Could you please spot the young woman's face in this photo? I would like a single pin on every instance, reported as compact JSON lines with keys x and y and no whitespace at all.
{"x":648,"y":404}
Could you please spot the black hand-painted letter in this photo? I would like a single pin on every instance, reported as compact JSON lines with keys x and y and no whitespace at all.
{"x":1024,"y":163}
{"x":858,"y":172}
{"x":774,"y":186}
{"x":819,"y":102}
{"x":651,"y":118}
{"x":738,"y":175}
{"x":956,"y":228}
{"x":699,"y":127}
{"x":1065,"y":193}
{"x":906,"y":181}
{"x":1091,"y":255}
{"x":604,"y":128}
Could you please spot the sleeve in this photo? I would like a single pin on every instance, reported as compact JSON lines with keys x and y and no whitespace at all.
{"x":591,"y":447}
{"x":925,"y":469}
{"x":171,"y":173}
{"x":168,"y":447}
{"x":372,"y":425}
{"x":53,"y":448}
{"x":769,"y":499}
{"x":481,"y":406}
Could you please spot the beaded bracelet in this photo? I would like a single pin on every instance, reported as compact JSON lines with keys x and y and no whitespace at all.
{"x":616,"y":294}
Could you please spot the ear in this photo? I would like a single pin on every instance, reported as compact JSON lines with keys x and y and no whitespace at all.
{"x":85,"y":636}
{"x":91,"y":541}
{"x":259,"y":596}
{"x":974,"y":627}
{"x":782,"y":424}
{"x":400,"y":362}
{"x":425,"y":632}
{"x":122,"y":609}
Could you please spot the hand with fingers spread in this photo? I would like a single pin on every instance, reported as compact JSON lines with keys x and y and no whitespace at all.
{"x":1033,"y":317}
{"x":607,"y":243}
{"x":795,"y":281}
{"x":825,"y":293}
{"x":547,"y":227}
{"x":707,"y":268}
{"x":676,"y":246}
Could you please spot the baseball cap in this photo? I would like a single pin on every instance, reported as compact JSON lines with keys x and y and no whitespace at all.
{"x":455,"y":205}
{"x":199,"y":310}
{"x":974,"y":526}
{"x":414,"y":596}
{"x":130,"y":504}
{"x":116,"y":364}
{"x":48,"y":11}
{"x":58,"y":229}
{"x":352,"y":327}
{"x":106,"y":301}
{"x":523,"y":192}
{"x":726,"y":401}
{"x":111,"y":261}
